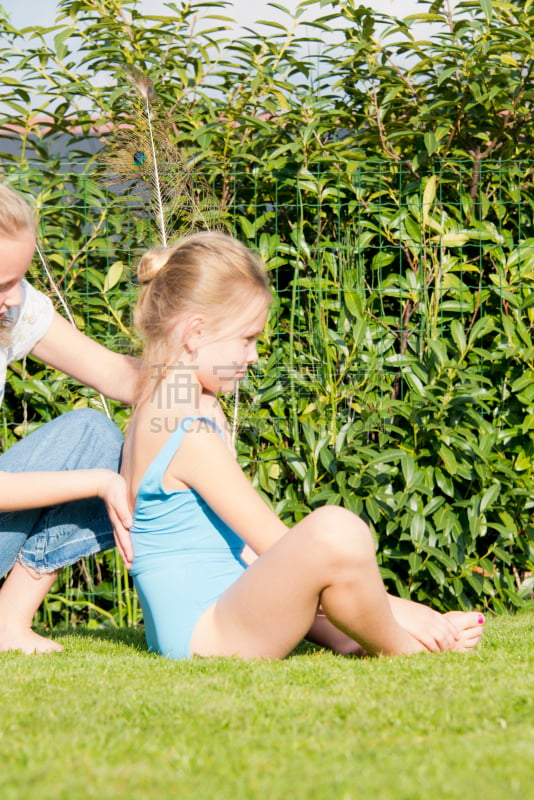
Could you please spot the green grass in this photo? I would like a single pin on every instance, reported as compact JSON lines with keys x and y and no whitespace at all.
{"x":105,"y":720}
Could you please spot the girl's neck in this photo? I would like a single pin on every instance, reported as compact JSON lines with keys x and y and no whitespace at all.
{"x":178,"y":393}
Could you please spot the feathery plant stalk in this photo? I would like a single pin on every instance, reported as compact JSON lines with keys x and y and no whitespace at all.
{"x":54,"y":285}
{"x":159,"y":199}
{"x":297,"y":235}
{"x":146,"y":90}
{"x":235,"y":416}
{"x":206,"y":211}
{"x":142,"y":158}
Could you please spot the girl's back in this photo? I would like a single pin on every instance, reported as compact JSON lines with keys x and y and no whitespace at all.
{"x":185,"y":556}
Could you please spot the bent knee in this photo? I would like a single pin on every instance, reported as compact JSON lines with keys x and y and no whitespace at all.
{"x":92,"y":419}
{"x":95,"y":425}
{"x":98,"y":440}
{"x":341,"y":535}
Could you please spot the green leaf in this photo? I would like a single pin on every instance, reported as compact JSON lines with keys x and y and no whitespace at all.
{"x":415,"y":561}
{"x":458,"y":334}
{"x":429,"y":193}
{"x":309,"y":480}
{"x":59,"y":42}
{"x":113,"y":276}
{"x":437,"y":573}
{"x":487,"y":8}
{"x":454,"y":239}
{"x":372,"y":508}
{"x":449,"y":459}
{"x":431,"y":145}
{"x":476,"y":582}
{"x":439,"y":348}
{"x":481,"y":327}
{"x":489,"y":496}
{"x":417,"y":528}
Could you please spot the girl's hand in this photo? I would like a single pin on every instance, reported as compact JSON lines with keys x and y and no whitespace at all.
{"x":113,"y":491}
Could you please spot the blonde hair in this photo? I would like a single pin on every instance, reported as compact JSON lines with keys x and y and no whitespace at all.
{"x":16,"y":214}
{"x":208,"y":273}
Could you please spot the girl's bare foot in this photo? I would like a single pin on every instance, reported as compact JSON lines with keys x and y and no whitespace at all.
{"x":27,"y":641}
{"x":469,"y":625}
{"x":457,"y":631}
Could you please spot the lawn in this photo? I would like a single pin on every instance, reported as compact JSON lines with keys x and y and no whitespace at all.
{"x":107,"y":720}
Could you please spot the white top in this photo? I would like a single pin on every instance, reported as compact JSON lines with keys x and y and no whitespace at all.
{"x":31,"y":321}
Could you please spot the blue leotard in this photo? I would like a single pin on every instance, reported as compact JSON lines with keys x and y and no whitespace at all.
{"x":185,"y":555}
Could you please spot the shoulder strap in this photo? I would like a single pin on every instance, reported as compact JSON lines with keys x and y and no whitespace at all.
{"x":156,"y":470}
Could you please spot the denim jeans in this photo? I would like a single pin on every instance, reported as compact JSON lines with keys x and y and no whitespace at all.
{"x":49,"y":538}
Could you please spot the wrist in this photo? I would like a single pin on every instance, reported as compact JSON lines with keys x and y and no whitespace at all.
{"x":103,"y":480}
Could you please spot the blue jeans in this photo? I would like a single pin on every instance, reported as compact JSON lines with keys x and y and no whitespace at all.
{"x":47,"y":539}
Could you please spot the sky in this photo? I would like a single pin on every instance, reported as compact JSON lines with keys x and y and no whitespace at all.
{"x":246,"y":12}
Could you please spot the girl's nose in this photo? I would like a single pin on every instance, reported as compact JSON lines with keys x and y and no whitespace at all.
{"x":252,"y":354}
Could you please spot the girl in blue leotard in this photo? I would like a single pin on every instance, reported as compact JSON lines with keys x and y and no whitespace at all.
{"x":217,"y":572}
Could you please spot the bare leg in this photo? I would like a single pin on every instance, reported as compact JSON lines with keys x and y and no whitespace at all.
{"x":21,"y":595}
{"x":323,"y":633}
{"x":326,"y":559}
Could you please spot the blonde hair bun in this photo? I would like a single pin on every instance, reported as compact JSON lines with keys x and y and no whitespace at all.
{"x":152,"y":262}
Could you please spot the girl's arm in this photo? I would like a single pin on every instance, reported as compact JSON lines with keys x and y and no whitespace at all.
{"x":204,"y":463}
{"x":19,"y":490}
{"x":65,"y":348}
{"x":22,"y":490}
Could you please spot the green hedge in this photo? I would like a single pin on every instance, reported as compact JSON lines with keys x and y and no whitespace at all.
{"x":388,"y":185}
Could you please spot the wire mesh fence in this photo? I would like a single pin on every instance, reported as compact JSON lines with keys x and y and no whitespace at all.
{"x":369,"y":269}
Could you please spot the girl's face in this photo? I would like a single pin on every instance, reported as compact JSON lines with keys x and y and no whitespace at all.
{"x":221,"y":362}
{"x":15,"y":258}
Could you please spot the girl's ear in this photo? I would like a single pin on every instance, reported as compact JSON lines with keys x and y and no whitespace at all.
{"x":193,"y":333}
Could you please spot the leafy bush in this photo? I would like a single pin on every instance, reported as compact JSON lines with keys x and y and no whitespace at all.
{"x":387,"y":182}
